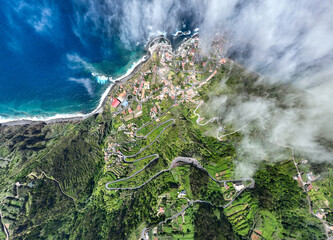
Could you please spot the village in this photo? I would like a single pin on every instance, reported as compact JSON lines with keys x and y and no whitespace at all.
{"x":169,"y":80}
{"x":310,"y":183}
{"x":139,"y":105}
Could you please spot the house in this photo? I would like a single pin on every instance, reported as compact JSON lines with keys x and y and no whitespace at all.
{"x":256,"y":235}
{"x":304,"y":161}
{"x":130,"y":110}
{"x":238,"y":186}
{"x":160,"y":210}
{"x":125,"y":103}
{"x":141,"y":85}
{"x":222,"y":61}
{"x":122,"y":96}
{"x":320,"y":215}
{"x":309,"y":187}
{"x":330,"y":228}
{"x":310,"y":176}
{"x":143,"y":94}
{"x":154,"y":109}
{"x":115,"y":103}
{"x":226,"y":186}
{"x":135,"y":90}
{"x":182,"y":193}
{"x":146,"y":85}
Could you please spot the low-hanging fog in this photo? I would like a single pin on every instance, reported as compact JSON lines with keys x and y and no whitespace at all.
{"x":285,"y":41}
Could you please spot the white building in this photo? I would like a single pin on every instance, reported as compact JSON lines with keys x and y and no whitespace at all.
{"x":238,"y":186}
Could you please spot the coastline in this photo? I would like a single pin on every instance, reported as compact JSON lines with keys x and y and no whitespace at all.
{"x":79,"y":116}
{"x":75,"y":117}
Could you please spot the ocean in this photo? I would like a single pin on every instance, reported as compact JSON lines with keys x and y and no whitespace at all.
{"x":57,"y":57}
{"x":46,"y":67}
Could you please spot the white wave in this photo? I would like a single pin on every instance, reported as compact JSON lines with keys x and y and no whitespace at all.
{"x":77,"y":115}
{"x":38,"y":119}
{"x":156,"y":33}
{"x":177,"y":34}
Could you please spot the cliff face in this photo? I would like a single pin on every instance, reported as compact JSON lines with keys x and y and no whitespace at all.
{"x":47,"y":173}
{"x":53,"y":176}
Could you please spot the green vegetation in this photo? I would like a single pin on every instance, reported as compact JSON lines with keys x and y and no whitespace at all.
{"x":278,"y":194}
{"x":62,"y":169}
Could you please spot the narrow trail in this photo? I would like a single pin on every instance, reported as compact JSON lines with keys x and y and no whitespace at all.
{"x":303,"y":187}
{"x":60,"y":188}
{"x":217,"y":120}
{"x":199,"y":118}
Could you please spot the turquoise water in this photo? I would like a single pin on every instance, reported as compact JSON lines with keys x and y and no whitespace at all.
{"x":46,"y":66}
{"x":51,"y":53}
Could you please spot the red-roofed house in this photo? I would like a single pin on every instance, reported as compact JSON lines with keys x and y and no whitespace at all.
{"x":309,"y":187}
{"x":222,"y":61}
{"x":115,"y":103}
{"x":161,"y":210}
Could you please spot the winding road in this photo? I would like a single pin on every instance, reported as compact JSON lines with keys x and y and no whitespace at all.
{"x":176,"y":161}
{"x":304,"y":187}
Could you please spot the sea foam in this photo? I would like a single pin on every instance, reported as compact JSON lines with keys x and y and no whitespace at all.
{"x":78,"y":115}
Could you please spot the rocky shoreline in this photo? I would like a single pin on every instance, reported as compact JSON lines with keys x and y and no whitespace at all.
{"x":98,"y":110}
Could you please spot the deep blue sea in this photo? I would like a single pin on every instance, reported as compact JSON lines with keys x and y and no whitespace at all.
{"x":50,"y":49}
{"x":47,"y":61}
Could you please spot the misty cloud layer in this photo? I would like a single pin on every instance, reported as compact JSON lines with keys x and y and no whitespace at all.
{"x":290,"y":118}
{"x":285,"y":41}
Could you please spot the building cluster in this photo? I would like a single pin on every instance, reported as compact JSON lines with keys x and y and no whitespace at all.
{"x":310,"y":177}
{"x":130,"y":129}
{"x":154,"y":110}
{"x":120,"y":99}
{"x":166,"y":56}
{"x":133,"y":113}
{"x":220,"y":175}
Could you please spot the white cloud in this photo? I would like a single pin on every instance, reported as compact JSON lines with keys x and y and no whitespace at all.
{"x":85,"y":82}
{"x":43,"y":21}
{"x":41,"y":16}
{"x":74,"y":61}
